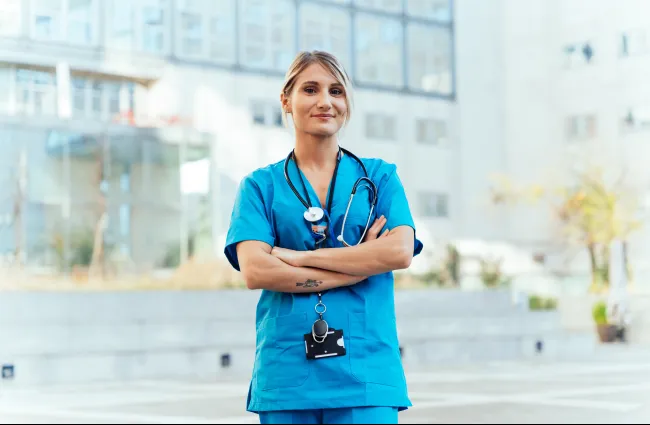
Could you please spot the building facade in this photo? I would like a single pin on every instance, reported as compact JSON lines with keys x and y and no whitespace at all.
{"x":104,"y":102}
{"x":561,"y":84}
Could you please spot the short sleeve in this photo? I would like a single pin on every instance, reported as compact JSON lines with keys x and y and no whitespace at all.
{"x":249,"y":220}
{"x":393,"y":205}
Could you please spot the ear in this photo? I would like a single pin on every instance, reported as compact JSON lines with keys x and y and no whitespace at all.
{"x":286,"y":104}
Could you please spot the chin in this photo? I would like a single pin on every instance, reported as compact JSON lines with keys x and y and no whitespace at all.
{"x":323,"y":131}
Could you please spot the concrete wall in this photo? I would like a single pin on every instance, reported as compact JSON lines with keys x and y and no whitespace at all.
{"x":80,"y":337}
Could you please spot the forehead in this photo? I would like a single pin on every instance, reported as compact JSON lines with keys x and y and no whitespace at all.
{"x":317,"y":73}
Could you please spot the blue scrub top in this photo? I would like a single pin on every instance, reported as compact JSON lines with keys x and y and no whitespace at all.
{"x":371,"y":373}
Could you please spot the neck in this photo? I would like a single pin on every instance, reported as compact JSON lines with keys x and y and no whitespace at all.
{"x":316,"y":153}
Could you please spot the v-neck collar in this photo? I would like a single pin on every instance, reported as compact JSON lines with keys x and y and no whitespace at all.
{"x":307,"y":186}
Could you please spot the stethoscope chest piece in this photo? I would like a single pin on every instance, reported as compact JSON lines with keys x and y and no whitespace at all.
{"x":313,"y":214}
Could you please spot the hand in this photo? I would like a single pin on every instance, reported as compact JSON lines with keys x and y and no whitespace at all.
{"x":289,"y":256}
{"x":373,"y":231}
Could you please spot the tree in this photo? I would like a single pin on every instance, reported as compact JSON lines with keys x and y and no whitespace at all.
{"x":592,"y":213}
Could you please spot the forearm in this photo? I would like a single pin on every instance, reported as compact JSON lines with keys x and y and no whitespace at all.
{"x":367,"y":259}
{"x":273,"y":274}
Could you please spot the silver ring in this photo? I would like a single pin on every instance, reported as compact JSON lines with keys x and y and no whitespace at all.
{"x":324,"y":308}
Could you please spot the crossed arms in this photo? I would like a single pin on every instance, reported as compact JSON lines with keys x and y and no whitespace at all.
{"x":285,"y":270}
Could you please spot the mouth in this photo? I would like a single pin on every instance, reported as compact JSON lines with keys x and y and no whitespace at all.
{"x":324,"y":116}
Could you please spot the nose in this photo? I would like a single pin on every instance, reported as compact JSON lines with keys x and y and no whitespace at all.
{"x":324,"y":100}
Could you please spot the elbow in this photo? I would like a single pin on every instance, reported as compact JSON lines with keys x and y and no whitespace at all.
{"x":251,"y":279}
{"x":403,"y":257}
{"x":405,"y":261}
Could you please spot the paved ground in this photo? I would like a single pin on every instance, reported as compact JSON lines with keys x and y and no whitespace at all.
{"x":604,"y":391}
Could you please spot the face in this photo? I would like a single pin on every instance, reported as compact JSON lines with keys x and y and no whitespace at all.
{"x":317,"y":103}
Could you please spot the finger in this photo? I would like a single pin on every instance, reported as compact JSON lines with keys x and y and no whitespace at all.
{"x":386,"y":232}
{"x":378,"y":222}
{"x":375,"y":228}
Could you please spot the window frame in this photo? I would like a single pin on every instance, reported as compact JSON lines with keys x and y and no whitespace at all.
{"x":62,"y":34}
{"x":438,"y":200}
{"x":268,"y":27}
{"x":380,"y":120}
{"x":574,"y":123}
{"x":401,"y":60}
{"x":433,"y":125}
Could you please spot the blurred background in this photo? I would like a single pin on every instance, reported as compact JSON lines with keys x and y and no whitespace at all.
{"x":519,"y":128}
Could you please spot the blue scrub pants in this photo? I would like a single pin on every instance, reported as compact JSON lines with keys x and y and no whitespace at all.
{"x":354,"y":415}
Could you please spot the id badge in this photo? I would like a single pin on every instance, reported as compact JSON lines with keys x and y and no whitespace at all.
{"x":333,"y":346}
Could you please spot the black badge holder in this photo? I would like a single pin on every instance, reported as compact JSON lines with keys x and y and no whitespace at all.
{"x":323,"y":342}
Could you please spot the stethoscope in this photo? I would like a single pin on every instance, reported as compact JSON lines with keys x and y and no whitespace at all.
{"x":314,"y":214}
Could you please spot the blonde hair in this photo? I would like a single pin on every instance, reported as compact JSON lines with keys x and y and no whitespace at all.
{"x":327,"y":61}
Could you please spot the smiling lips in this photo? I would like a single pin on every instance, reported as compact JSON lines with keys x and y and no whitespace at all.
{"x":324,"y":116}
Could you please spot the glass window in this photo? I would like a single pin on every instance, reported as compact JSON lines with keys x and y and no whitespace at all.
{"x":191,"y":30}
{"x":222,"y":32}
{"x":379,"y":50}
{"x":79,"y":97}
{"x":6,"y":76}
{"x":153,"y":23}
{"x":80,"y":21}
{"x":97,"y":99}
{"x":47,"y":18}
{"x":120,"y":25}
{"x":431,"y":131}
{"x":10,"y":17}
{"x":113,"y":95}
{"x":325,"y":28}
{"x":206,"y":30}
{"x":267,"y":34}
{"x":385,"y":5}
{"x":380,"y":126}
{"x":439,"y":10}
{"x":258,"y":110}
{"x":581,"y":127}
{"x":37,"y":92}
{"x":433,"y":204}
{"x":429,"y":58}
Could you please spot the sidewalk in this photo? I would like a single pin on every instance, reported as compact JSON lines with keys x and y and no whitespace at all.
{"x":612,"y":388}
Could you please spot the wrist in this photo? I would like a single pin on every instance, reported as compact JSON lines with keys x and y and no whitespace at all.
{"x":305,"y":258}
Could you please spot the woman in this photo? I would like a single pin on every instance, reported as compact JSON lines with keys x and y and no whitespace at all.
{"x":327,"y":348}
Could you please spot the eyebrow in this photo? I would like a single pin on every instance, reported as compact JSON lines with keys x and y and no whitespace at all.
{"x":316,"y":83}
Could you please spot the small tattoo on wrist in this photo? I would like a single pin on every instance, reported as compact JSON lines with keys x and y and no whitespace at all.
{"x":310,"y":283}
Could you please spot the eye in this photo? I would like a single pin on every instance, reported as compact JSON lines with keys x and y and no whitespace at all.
{"x":310,"y":90}
{"x":336,"y":92}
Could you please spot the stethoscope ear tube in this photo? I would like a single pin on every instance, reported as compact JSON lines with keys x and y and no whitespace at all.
{"x":371,"y":186}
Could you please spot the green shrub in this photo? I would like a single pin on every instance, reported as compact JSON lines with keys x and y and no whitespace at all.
{"x":599,"y":313}
{"x":537,"y":303}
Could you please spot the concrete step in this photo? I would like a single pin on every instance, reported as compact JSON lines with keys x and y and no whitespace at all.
{"x":126,"y":307}
{"x":61,"y":338}
{"x":555,"y":345}
{"x":442,"y":303}
{"x":508,"y":324}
